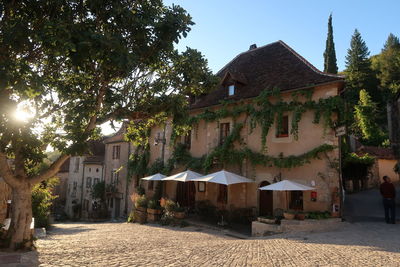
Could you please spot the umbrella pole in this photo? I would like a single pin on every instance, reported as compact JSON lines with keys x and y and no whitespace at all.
{"x":287,"y":201}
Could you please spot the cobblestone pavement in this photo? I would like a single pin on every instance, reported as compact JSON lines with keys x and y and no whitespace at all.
{"x":122,"y":244}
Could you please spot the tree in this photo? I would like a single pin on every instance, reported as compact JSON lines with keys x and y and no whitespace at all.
{"x":330,"y":65}
{"x":387,"y":66}
{"x":74,"y":65}
{"x":359,"y":74}
{"x":366,"y":115}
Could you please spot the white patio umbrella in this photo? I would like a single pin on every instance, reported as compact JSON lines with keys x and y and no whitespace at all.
{"x":286,"y":185}
{"x":155,"y":177}
{"x":186,"y":176}
{"x":223,"y":177}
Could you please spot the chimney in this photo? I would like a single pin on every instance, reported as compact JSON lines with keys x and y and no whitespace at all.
{"x":253,"y":46}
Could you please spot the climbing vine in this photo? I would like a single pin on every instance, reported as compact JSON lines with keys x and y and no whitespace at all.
{"x":264,"y":110}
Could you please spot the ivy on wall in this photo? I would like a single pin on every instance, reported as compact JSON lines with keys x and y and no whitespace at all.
{"x":264,"y":110}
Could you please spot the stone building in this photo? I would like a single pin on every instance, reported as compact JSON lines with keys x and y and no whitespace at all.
{"x":297,"y":135}
{"x":118,"y":186}
{"x":84,"y":172}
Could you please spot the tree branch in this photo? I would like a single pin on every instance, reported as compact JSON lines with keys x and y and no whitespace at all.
{"x":51,"y":171}
{"x":6,"y":172}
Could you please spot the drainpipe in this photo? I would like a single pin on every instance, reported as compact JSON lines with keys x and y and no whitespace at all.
{"x":82,"y":184}
{"x":162,"y":158}
{"x":127,"y":182}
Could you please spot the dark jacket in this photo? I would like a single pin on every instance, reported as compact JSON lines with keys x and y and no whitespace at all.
{"x":388,"y":190}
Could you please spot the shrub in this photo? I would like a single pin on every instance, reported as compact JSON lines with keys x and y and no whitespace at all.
{"x":141,"y":202}
{"x":42,"y":200}
{"x":170,"y":205}
{"x":153,"y":204}
{"x":318,"y":215}
{"x":131,"y":217}
{"x":178,"y":208}
{"x":140,"y":190}
{"x":241,"y":215}
{"x":99,"y":191}
{"x":206,"y":210}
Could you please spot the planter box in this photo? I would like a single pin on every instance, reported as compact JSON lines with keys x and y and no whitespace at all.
{"x":288,"y":216}
{"x":179,"y":214}
{"x":153,"y":215}
{"x":140,"y":216}
{"x":141,"y":209}
{"x":265,"y":220}
{"x":300,"y":217}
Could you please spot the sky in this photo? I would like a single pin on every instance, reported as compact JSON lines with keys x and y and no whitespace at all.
{"x":225,"y":28}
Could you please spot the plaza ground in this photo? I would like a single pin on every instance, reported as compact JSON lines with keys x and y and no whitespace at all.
{"x":122,"y":244}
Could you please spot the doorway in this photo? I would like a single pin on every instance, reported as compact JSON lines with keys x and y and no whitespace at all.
{"x":186,"y":194}
{"x":117,"y":207}
{"x":266,"y":207}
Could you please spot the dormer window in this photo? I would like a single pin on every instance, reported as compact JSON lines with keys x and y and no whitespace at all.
{"x":231,"y":90}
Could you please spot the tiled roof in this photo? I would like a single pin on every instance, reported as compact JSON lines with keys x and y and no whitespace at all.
{"x":378,"y":152}
{"x":266,"y":67}
{"x":94,"y":159}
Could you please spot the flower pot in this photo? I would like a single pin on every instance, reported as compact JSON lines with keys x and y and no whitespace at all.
{"x":179,"y":214}
{"x":140,"y":216}
{"x":288,"y":216}
{"x":300,"y":216}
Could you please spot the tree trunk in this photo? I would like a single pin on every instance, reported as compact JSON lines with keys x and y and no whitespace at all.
{"x":19,"y":233}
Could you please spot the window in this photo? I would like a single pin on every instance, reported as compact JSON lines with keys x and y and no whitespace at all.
{"x":223,"y":193}
{"x":96,"y":181}
{"x":90,"y":169}
{"x":88,"y":182}
{"x":97,"y":169}
{"x":188,"y":139}
{"x":201,"y":186}
{"x":77,"y":162}
{"x":231,"y":90}
{"x":75,"y":185}
{"x":224,"y":129}
{"x":283,"y":130}
{"x":116,"y":152}
{"x":114,"y":177}
{"x":296,"y":200}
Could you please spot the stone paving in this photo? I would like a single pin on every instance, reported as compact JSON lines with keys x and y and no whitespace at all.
{"x":122,"y":244}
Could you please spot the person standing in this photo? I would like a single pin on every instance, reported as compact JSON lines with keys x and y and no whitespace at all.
{"x":388,"y":193}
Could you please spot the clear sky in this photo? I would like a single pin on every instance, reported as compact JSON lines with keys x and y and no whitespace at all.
{"x":225,"y":28}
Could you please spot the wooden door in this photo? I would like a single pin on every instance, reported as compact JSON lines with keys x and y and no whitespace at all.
{"x":186,"y":194}
{"x":266,"y":207}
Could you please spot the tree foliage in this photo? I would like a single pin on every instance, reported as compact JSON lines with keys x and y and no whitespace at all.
{"x":359,"y":74}
{"x":366,"y":116}
{"x":76,"y":64}
{"x":42,"y":201}
{"x":330,"y":65}
{"x":387,"y":66}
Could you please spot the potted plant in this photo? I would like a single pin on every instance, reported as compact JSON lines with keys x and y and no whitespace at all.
{"x":179,"y":212}
{"x":140,"y":209}
{"x":141,"y":203}
{"x":288,"y":215}
{"x":300,"y":216}
{"x":153,"y":211}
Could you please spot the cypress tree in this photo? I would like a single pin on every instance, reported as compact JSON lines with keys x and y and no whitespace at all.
{"x":330,"y":65}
